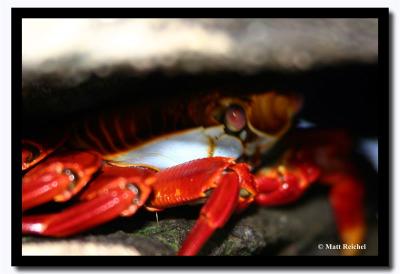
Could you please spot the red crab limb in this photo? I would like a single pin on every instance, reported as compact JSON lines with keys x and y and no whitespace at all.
{"x":114,"y":177}
{"x":121,"y":191}
{"x":43,"y":189}
{"x":235,"y":191}
{"x":187,"y":182}
{"x":284,"y":184}
{"x":81,"y":217}
{"x":194,"y":181}
{"x":330,"y":150}
{"x":346,"y":197}
{"x":36,"y":149}
{"x":33,"y":153}
{"x":214,"y":214}
{"x":58,"y":178}
{"x":109,"y":196}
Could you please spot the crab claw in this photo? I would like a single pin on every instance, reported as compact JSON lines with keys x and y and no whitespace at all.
{"x":115,"y":192}
{"x":58,"y":178}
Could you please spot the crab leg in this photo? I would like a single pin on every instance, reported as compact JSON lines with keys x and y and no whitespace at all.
{"x":284,"y":184}
{"x":79,"y":218}
{"x":33,"y":153}
{"x":322,"y":156}
{"x":58,"y":178}
{"x":109,"y":196}
{"x":346,"y":197}
{"x":214,"y":214}
{"x":218,"y":180}
{"x":331,"y":151}
{"x":43,"y":189}
{"x":36,"y":149}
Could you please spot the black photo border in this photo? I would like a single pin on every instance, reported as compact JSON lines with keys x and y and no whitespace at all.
{"x":384,"y":249}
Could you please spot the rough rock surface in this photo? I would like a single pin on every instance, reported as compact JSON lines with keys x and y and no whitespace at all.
{"x":193,"y":45}
{"x":54,"y":60}
{"x":290,"y":230}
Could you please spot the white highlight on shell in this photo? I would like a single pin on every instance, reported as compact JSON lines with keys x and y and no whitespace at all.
{"x":179,"y":148}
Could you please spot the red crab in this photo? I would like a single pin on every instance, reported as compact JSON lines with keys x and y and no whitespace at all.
{"x":207,"y":149}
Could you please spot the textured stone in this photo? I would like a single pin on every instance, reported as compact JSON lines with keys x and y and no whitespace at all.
{"x":291,"y":230}
{"x":193,"y":45}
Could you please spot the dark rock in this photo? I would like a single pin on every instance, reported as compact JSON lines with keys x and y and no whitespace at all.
{"x":289,"y":230}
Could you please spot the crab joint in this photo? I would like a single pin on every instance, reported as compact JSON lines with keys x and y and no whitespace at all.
{"x":132,"y":187}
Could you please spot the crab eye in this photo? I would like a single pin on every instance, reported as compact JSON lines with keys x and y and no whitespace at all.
{"x":235,"y":118}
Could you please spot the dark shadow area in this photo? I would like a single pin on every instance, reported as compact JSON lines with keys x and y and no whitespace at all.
{"x":342,"y":95}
